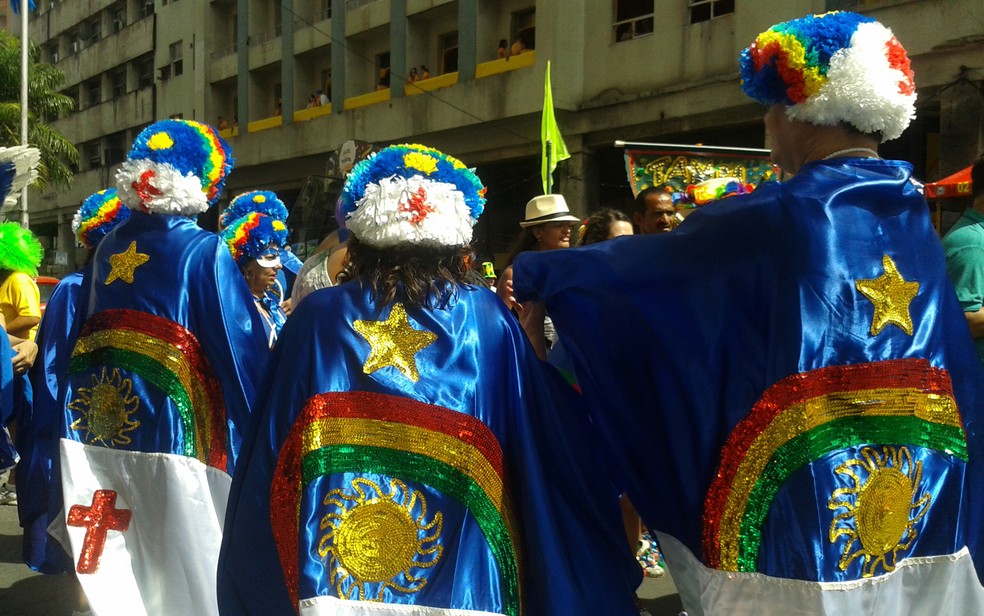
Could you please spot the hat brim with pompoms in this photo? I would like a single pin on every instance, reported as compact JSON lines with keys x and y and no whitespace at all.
{"x":412,"y":194}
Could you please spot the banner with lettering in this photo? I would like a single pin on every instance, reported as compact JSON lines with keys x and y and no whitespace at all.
{"x":677,"y":167}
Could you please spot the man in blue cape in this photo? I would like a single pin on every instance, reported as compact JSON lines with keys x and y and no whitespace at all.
{"x":165,"y":354}
{"x":796,"y":357}
{"x":411,"y":455}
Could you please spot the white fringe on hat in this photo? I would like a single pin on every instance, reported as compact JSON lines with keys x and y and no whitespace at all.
{"x":178,"y":193}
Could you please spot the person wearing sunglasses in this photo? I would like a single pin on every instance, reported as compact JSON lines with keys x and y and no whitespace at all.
{"x":255,"y":240}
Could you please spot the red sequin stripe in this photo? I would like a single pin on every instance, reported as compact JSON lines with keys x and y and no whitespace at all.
{"x":285,"y":490}
{"x":186,"y":342}
{"x":796,"y":389}
{"x":367,"y":405}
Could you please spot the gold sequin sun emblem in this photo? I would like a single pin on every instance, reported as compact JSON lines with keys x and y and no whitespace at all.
{"x":123,"y":264}
{"x":394,"y":343}
{"x":378,"y":540}
{"x":891,"y":294}
{"x":105,"y":409}
{"x":882,"y":508}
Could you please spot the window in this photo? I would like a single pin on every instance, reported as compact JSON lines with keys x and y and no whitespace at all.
{"x":115,"y":148}
{"x":147,"y":9}
{"x":524,"y":31}
{"x":93,"y":92}
{"x":448,"y":44}
{"x":706,"y":10}
{"x":119,"y":18}
{"x":118,"y":79}
{"x":91,"y":153}
{"x":177,"y":64}
{"x":633,"y":18}
{"x":383,"y":71}
{"x":145,"y":71}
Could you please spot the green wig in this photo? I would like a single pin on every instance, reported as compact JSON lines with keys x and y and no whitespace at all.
{"x":20,"y":250}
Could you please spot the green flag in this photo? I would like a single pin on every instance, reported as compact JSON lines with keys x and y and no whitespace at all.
{"x":554,"y":148}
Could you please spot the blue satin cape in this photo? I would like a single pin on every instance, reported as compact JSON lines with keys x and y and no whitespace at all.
{"x":676,"y":338}
{"x":38,"y":477}
{"x":572,"y":553}
{"x":188,"y":302}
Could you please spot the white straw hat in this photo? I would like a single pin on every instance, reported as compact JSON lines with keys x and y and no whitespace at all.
{"x":547,"y":208}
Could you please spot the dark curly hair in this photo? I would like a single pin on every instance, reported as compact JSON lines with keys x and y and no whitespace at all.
{"x":421,"y":276}
{"x":598,"y":226}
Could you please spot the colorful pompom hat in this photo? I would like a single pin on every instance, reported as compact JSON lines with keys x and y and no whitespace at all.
{"x":20,"y":250}
{"x":175,"y":167}
{"x":252,"y":235}
{"x":261,"y":201}
{"x":99,"y":214}
{"x":833,"y":68}
{"x":412,"y":194}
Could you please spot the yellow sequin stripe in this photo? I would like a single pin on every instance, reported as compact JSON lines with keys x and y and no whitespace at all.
{"x":807,"y":415}
{"x":171,"y":359}
{"x":405,"y":437}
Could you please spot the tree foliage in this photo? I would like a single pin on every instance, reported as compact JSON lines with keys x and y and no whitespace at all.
{"x":58,"y":155}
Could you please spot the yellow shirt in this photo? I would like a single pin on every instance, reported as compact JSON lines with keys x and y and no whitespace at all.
{"x":19,"y":296}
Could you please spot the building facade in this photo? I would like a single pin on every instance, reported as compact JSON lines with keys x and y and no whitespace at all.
{"x":631,"y":70}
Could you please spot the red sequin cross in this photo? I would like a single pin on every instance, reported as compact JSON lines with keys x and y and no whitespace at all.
{"x":99,"y":519}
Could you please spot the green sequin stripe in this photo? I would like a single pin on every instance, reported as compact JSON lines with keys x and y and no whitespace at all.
{"x":151,"y":370}
{"x":818,"y":442}
{"x":428,"y":471}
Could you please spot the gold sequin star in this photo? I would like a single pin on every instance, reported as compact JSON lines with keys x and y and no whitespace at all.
{"x":394,"y":343}
{"x":124,"y":263}
{"x":891,"y":295}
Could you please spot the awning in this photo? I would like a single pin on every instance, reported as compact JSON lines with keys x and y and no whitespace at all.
{"x":956,"y":185}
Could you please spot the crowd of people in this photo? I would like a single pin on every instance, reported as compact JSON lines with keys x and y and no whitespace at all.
{"x":206,"y":425}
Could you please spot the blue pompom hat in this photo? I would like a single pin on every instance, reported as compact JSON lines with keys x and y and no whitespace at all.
{"x":261,"y":201}
{"x":175,"y":167}
{"x":833,"y":68}
{"x":250,"y":236}
{"x":412,"y":194}
{"x":99,"y":214}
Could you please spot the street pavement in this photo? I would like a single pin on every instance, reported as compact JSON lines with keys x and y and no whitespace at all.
{"x":26,"y":593}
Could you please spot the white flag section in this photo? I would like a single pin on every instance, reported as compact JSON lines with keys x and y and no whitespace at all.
{"x":333,"y":606}
{"x":144,"y":528}
{"x":944,"y":585}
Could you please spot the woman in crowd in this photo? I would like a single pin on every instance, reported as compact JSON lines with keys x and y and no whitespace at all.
{"x":410,"y":449}
{"x":604,"y":224}
{"x":547,"y":227}
{"x":255,"y":241}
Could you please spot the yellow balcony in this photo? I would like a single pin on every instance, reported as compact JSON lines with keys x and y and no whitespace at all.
{"x":264,"y":124}
{"x":431,"y":83}
{"x":226,"y":133}
{"x":504,"y":65}
{"x":303,"y":115}
{"x":363,"y":100}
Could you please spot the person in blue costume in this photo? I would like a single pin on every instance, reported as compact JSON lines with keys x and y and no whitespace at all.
{"x":255,"y":242}
{"x":18,"y":168}
{"x":411,"y":455}
{"x":268,"y":203}
{"x":798,"y":358}
{"x":166,"y":353}
{"x":45,"y":424}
